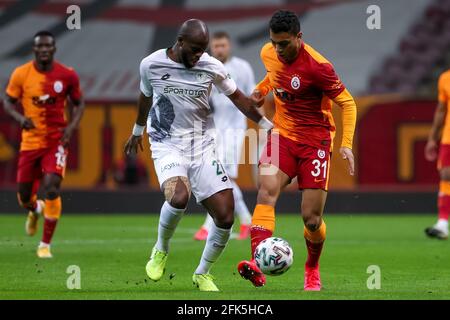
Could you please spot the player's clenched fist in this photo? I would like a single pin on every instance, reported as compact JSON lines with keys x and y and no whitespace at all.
{"x":431,"y":150}
{"x":132,"y":144}
{"x":257,"y":97}
{"x":27,"y":123}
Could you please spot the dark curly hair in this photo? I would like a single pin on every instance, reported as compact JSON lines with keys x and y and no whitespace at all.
{"x":284,"y":21}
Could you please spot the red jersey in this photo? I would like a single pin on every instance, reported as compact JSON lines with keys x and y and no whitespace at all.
{"x":43,"y":96}
{"x":303,"y":91}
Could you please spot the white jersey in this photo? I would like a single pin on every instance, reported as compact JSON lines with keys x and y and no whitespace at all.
{"x":181,"y":116}
{"x":230,"y":122}
{"x":226,"y":115}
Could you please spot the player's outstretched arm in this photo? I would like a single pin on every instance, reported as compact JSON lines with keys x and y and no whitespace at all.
{"x":9,"y":105}
{"x":348,"y":106}
{"x":431,"y":148}
{"x":248,"y":106}
{"x":135,"y":139}
{"x":77,"y":113}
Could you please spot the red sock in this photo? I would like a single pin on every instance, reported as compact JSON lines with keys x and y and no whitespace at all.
{"x":258,"y":234}
{"x":314,"y":251}
{"x":49,"y":229}
{"x":444,"y":206}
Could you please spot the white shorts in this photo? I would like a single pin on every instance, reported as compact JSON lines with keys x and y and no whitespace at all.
{"x":206,"y":174}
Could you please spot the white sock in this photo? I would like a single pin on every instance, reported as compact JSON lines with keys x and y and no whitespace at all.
{"x":39,"y":208}
{"x":168,"y":221}
{"x":442,"y":224}
{"x":43,"y":244}
{"x":216,"y":242}
{"x":240,"y":208}
{"x":208,"y":222}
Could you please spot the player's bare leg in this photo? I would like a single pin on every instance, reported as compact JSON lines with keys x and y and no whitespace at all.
{"x":263,"y":220}
{"x":27,"y":197}
{"x":440,"y":229}
{"x":221,"y":207}
{"x":313,"y":202}
{"x":177,"y":193}
{"x":52,"y":212}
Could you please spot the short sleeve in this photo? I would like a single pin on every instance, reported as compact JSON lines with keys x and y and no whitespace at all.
{"x":223,"y":80}
{"x":328,"y":81}
{"x":145,"y":86}
{"x":442,"y":94}
{"x":14,"y":87}
{"x":75,"y":89}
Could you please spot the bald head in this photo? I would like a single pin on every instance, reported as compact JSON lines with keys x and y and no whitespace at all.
{"x":192,"y":42}
{"x":194,"y":30}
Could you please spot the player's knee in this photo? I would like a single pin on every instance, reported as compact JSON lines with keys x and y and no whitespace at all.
{"x":445,"y":174}
{"x":224,"y":219}
{"x":180,"y":199}
{"x":312,"y":220}
{"x":51,"y":192}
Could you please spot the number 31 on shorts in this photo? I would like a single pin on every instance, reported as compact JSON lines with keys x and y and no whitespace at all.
{"x":319,"y":168}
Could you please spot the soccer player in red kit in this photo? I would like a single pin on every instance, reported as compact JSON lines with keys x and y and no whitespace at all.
{"x":438,"y":147}
{"x":304,"y":85}
{"x":43,"y":86}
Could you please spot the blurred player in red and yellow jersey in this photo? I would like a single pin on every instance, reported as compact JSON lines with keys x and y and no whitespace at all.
{"x":433,"y":151}
{"x":43,"y":86}
{"x":304,"y":85}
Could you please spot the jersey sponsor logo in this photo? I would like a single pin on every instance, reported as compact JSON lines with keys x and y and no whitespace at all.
{"x":169,"y":166}
{"x":58,"y":86}
{"x":321,"y":153}
{"x":200,"y":76}
{"x":295,"y":82}
{"x":165,"y":77}
{"x":318,"y":180}
{"x":184,"y":92}
{"x":44,"y":99}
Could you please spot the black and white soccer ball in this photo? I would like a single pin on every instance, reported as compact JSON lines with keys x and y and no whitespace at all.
{"x":274,"y":256}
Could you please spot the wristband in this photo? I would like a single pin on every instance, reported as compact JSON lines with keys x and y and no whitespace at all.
{"x":138,"y":130}
{"x":265,"y":123}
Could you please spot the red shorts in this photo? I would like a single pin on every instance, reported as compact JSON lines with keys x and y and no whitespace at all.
{"x":33,"y":164}
{"x":444,"y":156}
{"x":309,"y":164}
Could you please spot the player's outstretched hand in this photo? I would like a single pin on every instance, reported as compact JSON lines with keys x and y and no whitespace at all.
{"x":27,"y":123}
{"x":347,"y":154}
{"x":431,"y":150}
{"x":257,"y":98}
{"x":133,"y":143}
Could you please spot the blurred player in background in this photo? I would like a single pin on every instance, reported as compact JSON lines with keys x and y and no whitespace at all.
{"x":441,"y":121}
{"x":42,"y":87}
{"x":304,"y":85}
{"x":230,"y":125}
{"x":175,"y":87}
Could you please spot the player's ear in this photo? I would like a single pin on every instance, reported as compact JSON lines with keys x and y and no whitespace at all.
{"x":300,"y":35}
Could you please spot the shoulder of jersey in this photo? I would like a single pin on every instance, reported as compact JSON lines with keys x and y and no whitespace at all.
{"x":445,"y":75}
{"x":314,"y":54}
{"x":24,"y":67}
{"x":62,"y":67}
{"x":240,"y":61}
{"x":267,"y":51}
{"x":157,"y":55}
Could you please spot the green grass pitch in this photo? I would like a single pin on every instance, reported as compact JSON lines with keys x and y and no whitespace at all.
{"x":112,"y":250}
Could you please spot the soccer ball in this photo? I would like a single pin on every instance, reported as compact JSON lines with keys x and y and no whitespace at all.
{"x":274,"y":256}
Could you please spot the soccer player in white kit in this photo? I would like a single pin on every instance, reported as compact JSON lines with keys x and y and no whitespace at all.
{"x":175,"y":87}
{"x":231,"y":125}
